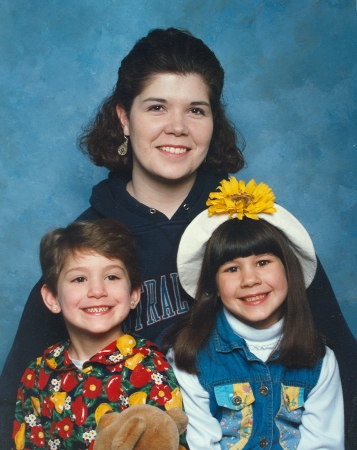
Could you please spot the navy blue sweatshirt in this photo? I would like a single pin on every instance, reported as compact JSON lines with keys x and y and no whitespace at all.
{"x":162,"y":299}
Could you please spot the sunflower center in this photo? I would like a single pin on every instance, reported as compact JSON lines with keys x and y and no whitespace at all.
{"x":244,"y":197}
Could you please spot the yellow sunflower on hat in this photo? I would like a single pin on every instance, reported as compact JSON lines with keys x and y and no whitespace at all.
{"x":240,"y":199}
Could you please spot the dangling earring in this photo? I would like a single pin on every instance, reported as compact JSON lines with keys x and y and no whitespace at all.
{"x":123,"y":148}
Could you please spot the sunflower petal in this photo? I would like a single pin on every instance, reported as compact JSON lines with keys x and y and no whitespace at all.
{"x":240,"y":199}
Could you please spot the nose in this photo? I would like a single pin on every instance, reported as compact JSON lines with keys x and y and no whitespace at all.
{"x":249,"y":277}
{"x":97,"y":289}
{"x":176,"y":124}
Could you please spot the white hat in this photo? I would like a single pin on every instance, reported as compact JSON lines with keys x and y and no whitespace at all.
{"x":195,"y":237}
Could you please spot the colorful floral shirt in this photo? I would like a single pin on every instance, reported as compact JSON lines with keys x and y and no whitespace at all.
{"x":58,"y":406}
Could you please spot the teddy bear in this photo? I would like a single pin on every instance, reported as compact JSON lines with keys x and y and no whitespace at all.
{"x":141,"y":427}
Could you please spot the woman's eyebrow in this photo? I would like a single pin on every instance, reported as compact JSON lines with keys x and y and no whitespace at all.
{"x":155,"y":99}
{"x":203,"y":103}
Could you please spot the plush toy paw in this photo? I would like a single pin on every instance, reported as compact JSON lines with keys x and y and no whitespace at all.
{"x":141,"y":427}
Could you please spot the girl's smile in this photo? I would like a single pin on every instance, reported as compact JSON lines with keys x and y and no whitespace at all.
{"x":254,"y":289}
{"x":256,"y":299}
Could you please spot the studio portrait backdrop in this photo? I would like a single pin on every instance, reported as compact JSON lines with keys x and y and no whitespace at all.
{"x":291,"y":71}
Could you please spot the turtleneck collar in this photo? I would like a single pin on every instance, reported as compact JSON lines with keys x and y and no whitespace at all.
{"x":260,"y":342}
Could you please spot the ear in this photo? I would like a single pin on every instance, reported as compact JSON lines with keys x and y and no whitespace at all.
{"x":179,"y":417}
{"x":50,"y":300}
{"x":128,"y":435}
{"x":106,"y":419}
{"x":123,"y":119}
{"x":135,"y":297}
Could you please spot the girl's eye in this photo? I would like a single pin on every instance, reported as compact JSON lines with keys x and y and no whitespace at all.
{"x":232,"y":269}
{"x":79,"y":280}
{"x":263,"y":262}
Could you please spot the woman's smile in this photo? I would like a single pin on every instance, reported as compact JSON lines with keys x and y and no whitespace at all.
{"x":174,"y":149}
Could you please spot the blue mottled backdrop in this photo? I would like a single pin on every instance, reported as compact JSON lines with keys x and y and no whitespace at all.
{"x":291,"y":71}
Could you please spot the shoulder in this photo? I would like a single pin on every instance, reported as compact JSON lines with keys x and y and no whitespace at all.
{"x":133,"y":344}
{"x":56,"y":356}
{"x":330,"y":365}
{"x":59,"y":346}
{"x":150,"y":352}
{"x":142,"y":341}
{"x":329,"y":377}
{"x":89,"y":215}
{"x":210,"y":180}
{"x":49,"y":352}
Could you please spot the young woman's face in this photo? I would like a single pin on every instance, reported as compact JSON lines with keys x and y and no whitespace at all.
{"x":253,"y":289}
{"x":94,"y":295}
{"x":170,"y":126}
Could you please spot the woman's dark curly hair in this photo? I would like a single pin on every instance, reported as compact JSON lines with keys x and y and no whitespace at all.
{"x":162,"y":51}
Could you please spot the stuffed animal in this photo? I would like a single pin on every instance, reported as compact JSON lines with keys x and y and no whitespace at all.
{"x":141,"y":427}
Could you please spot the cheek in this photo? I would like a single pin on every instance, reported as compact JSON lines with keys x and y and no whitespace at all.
{"x":224,"y":287}
{"x":123,"y":295}
{"x":204,"y":135}
{"x":69,"y":296}
{"x":281,"y":283}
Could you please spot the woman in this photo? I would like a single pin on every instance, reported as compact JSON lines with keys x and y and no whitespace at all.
{"x":164,"y":135}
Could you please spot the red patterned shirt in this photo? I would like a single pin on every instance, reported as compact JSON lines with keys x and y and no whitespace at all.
{"x":58,"y":406}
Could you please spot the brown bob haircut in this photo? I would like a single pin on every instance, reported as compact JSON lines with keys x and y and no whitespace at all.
{"x":107,"y":237}
{"x":162,"y":51}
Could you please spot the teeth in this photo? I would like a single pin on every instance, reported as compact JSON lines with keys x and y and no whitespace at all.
{"x":254,"y":299}
{"x":175,"y":150}
{"x":97,"y":310}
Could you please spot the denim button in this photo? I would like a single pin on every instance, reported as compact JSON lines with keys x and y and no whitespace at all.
{"x":263,"y":443}
{"x":236,"y":400}
{"x":263,"y":390}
